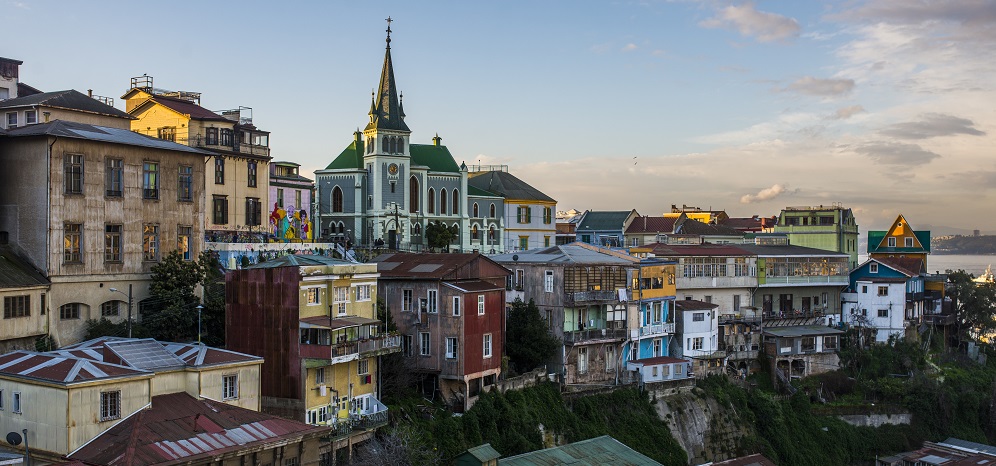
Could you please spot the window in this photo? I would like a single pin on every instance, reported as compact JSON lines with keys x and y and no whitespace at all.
{"x":110,"y":309}
{"x":883,"y":291}
{"x":73,"y":170}
{"x":185,"y":184}
{"x":254,"y":211}
{"x":908,"y":241}
{"x":226,"y":137}
{"x":183,"y":235}
{"x":707,"y":299}
{"x":830,"y":342}
{"x":320,"y":375}
{"x":1,"y":399}
{"x":808,"y":343}
{"x":212,"y":136}
{"x":423,"y":347}
{"x":736,"y":303}
{"x":69,"y":311}
{"x":610,"y":358}
{"x":220,"y":210}
{"x":294,"y":461}
{"x":546,"y":241}
{"x":113,"y":171}
{"x":413,"y":193}
{"x":314,"y":296}
{"x":523,"y":242}
{"x":406,"y":345}
{"x":336,"y":199}
{"x":431,"y":295}
{"x":548,"y":215}
{"x":548,"y":281}
{"x":11,"y":120}
{"x":230,"y":387}
{"x":883,"y":313}
{"x":492,"y":212}
{"x":17,"y":402}
{"x":582,"y":360}
{"x":480,"y":305}
{"x":150,"y":242}
{"x":456,"y":202}
{"x":16,"y":306}
{"x":697,"y":343}
{"x":319,"y":415}
{"x":168,"y":133}
{"x":150,"y":180}
{"x":431,"y":201}
{"x":456,"y":306}
{"x":297,"y":199}
{"x":219,"y":170}
{"x":252,"y":175}
{"x":864,"y":289}
{"x":698,"y":317}
{"x":892,"y":242}
{"x":442,"y":201}
{"x":30,"y":117}
{"x":72,"y":239}
{"x":406,"y":300}
{"x":340,"y":298}
{"x":658,"y":349}
{"x":363,"y":367}
{"x":363,"y":292}
{"x":451,"y":348}
{"x":523,"y":214}
{"x":110,"y":405}
{"x":872,"y":268}
{"x":487,"y":345}
{"x":476,"y":210}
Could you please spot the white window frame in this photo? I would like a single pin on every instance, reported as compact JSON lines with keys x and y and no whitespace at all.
{"x":431,"y":296}
{"x":424,"y":340}
{"x":319,"y":375}
{"x":883,"y":291}
{"x":363,"y":292}
{"x":582,"y":360}
{"x":487,"y":345}
{"x":456,"y":306}
{"x":362,"y":367}
{"x":7,"y":120}
{"x":548,"y":281}
{"x":872,"y":268}
{"x":610,"y":358}
{"x":33,"y":113}
{"x":313,"y":295}
{"x":698,"y":343}
{"x":407,"y":300}
{"x":883,"y":311}
{"x":480,"y":305}
{"x":230,"y":387}
{"x":892,"y":241}
{"x":340,"y":296}
{"x":908,"y":241}
{"x":16,"y":404}
{"x":452,"y":346}
{"x":110,"y":405}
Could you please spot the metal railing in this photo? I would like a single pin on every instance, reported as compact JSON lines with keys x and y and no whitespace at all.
{"x":828,"y":279}
{"x":594,"y":334}
{"x":657,"y":329}
{"x":388,"y":342}
{"x":589,"y":296}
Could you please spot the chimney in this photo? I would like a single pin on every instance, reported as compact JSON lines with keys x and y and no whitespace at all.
{"x":89,"y":93}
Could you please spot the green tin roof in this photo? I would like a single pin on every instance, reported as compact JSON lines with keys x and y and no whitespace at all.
{"x":597,"y":451}
{"x":437,"y":158}
{"x":875,"y":238}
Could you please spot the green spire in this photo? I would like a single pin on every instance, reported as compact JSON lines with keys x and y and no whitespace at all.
{"x":385,"y":111}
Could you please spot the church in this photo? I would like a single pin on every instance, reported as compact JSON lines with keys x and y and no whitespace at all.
{"x":383,"y":188}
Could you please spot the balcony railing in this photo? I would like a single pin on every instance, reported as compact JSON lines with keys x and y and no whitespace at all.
{"x":594,"y":334}
{"x":381,"y":344}
{"x":657,"y":329}
{"x":816,"y":279}
{"x":591,"y":296}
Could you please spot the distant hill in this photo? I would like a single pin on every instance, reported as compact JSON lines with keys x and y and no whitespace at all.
{"x":974,"y":245}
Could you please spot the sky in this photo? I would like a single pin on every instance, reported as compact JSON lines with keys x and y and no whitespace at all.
{"x":882,"y":106}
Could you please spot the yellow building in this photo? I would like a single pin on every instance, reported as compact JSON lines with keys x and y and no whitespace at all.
{"x":711,"y":217}
{"x":237,"y":179}
{"x":67,"y":397}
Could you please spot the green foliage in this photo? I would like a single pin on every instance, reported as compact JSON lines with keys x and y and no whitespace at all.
{"x":170,"y":313}
{"x":974,"y":305}
{"x":439,"y":235}
{"x":529,"y":342}
{"x":96,"y":328}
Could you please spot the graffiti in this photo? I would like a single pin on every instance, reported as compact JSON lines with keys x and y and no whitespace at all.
{"x":294,"y":225}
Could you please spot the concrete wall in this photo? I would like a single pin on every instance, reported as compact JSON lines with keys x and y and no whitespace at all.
{"x":877,"y":420}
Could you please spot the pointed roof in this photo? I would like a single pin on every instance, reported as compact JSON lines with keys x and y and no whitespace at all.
{"x":385,"y":110}
{"x":878,"y":239}
{"x":435,"y":158}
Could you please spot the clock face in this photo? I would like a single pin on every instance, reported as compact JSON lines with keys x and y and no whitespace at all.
{"x":393,"y":169}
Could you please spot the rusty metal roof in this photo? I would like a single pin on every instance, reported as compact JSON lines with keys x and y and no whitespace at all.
{"x":143,"y":353}
{"x":179,"y":428}
{"x":473,"y":286}
{"x":52,"y":367}
{"x":341,"y":322}
{"x":424,"y":265}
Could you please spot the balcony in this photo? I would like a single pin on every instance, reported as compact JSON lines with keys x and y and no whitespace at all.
{"x":372,"y":418}
{"x":350,"y":350}
{"x":835,"y":280}
{"x":590,"y":296}
{"x":595,"y":334}
{"x":656,"y":329}
{"x":377,"y":346}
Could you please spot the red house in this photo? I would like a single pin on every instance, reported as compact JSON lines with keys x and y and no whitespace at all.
{"x":450,"y":312}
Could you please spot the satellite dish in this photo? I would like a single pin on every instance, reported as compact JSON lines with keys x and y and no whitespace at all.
{"x":14,"y":438}
{"x":515,"y":258}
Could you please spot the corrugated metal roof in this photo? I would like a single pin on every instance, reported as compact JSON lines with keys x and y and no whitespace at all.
{"x":574,"y":253}
{"x":597,"y":451}
{"x":341,"y":322}
{"x":179,"y":428}
{"x":692,"y":250}
{"x":788,"y":250}
{"x":68,"y":99}
{"x":472,"y":286}
{"x":185,"y":354}
{"x":57,"y":368}
{"x":507,"y":185}
{"x":427,"y":265}
{"x":603,"y":220}
{"x":299,"y":260}
{"x":751,"y":460}
{"x":969,"y":446}
{"x":801,"y":330}
{"x":69,"y":129}
{"x":658,"y":360}
{"x":484,"y":453}
{"x":16,"y":272}
{"x":693,"y":305}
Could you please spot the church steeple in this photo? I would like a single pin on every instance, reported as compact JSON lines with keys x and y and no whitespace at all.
{"x":385,"y":110}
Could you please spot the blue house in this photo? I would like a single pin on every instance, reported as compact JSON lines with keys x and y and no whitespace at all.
{"x":604,"y":228}
{"x":887,"y":294}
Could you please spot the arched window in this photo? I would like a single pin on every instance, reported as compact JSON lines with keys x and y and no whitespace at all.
{"x":111,"y":308}
{"x":476,"y":211}
{"x":474,"y":233}
{"x":442,"y":201}
{"x":394,"y":145}
{"x":413,"y":195}
{"x":336,"y":199}
{"x":431,"y":201}
{"x":387,"y":144}
{"x":493,"y":211}
{"x":401,"y":145}
{"x":456,"y":202}
{"x":491,"y":235}
{"x":456,"y":232}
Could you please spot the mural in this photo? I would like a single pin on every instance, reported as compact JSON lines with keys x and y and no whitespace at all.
{"x":293,"y":226}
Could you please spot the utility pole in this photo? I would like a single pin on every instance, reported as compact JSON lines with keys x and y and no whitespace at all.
{"x":199,"y":309}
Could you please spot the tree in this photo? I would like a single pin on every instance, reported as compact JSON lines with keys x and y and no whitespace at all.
{"x":170,"y":312}
{"x":439,"y":235}
{"x":528,"y":341}
{"x":974,"y":305}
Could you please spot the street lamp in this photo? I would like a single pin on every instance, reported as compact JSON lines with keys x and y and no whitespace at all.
{"x":129,"y":305}
{"x":199,"y":309}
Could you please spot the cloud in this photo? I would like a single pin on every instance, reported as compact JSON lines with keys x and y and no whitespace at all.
{"x":973,"y":17}
{"x":847,"y":112}
{"x":765,"y":194}
{"x":629,"y":47}
{"x":821,"y":87}
{"x":896,"y":153}
{"x":764,"y":26}
{"x":932,"y":125}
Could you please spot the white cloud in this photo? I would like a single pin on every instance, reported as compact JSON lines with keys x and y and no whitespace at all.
{"x":847,"y":112}
{"x":932,"y":125}
{"x":821,"y":87}
{"x":629,"y":47}
{"x":765,"y":194}
{"x":762,"y":25}
{"x":898,"y":154}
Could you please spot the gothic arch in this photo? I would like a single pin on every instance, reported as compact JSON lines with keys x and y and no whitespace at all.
{"x":413,"y":193}
{"x":336,"y":199}
{"x":442,"y":201}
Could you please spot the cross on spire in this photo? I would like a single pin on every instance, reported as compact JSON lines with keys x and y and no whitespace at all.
{"x":389,"y":21}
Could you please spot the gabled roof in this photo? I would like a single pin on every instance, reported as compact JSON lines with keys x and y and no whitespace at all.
{"x":877,"y":239}
{"x":594,"y":220}
{"x":183,"y":107}
{"x":431,"y":266}
{"x":152,"y":355}
{"x":61,"y":369}
{"x":507,"y":185}
{"x":483,"y":453}
{"x":26,"y":90}
{"x":597,"y":451}
{"x":68,"y":99}
{"x":569,"y":254}
{"x":436,"y":158}
{"x":690,"y":226}
{"x":646,"y":224}
{"x":693,"y":305}
{"x":16,"y":272}
{"x":179,"y":429}
{"x":742,"y":223}
{"x":909,"y":266}
{"x":69,"y":129}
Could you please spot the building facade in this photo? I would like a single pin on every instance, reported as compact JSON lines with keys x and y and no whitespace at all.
{"x":899,"y":241}
{"x":290,"y":203}
{"x":604,"y":228}
{"x":529,"y":215}
{"x":831,"y":228}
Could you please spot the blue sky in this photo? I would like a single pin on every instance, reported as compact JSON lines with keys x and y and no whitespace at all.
{"x":885,"y":106}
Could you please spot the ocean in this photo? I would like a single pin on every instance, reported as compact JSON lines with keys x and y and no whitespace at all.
{"x":974,"y":265}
